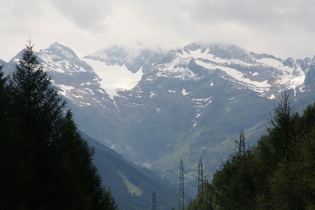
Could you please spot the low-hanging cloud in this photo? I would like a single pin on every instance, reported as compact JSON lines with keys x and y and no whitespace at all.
{"x":280,"y":27}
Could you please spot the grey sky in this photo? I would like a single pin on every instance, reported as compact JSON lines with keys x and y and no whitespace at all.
{"x":279,"y":27}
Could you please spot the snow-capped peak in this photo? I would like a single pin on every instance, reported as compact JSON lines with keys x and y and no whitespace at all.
{"x":62,"y":51}
{"x":62,"y":59}
{"x":264,"y":74}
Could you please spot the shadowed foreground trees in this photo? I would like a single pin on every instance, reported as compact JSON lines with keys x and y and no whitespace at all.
{"x":45,"y":164}
{"x":278,"y":173}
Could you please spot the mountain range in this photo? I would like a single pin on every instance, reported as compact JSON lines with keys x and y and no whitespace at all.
{"x":157,"y":107}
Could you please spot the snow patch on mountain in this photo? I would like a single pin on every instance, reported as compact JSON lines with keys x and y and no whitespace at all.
{"x":175,"y":71}
{"x":81,"y":103}
{"x":202,"y":102}
{"x":293,"y":78}
{"x":65,"y":89}
{"x":271,"y":62}
{"x":206,"y":55}
{"x":237,"y":75}
{"x":184,"y":92}
{"x":114,"y":77}
{"x":152,"y":94}
{"x":290,"y":77}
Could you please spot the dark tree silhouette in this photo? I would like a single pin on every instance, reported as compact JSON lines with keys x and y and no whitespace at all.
{"x":45,"y":164}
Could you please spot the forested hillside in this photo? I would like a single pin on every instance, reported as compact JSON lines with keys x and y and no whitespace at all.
{"x":277,"y":173}
{"x":45,"y":164}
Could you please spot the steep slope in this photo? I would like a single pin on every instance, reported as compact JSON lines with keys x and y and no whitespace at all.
{"x":93,"y":109}
{"x":131,"y":185}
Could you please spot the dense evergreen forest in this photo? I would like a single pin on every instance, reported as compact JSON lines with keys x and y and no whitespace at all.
{"x":45,"y":164}
{"x":277,"y":173}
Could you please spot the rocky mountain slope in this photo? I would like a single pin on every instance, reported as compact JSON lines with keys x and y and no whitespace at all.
{"x":187,"y":103}
{"x":131,"y":185}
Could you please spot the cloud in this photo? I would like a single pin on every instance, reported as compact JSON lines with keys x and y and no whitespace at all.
{"x":280,"y":27}
{"x":90,"y":15}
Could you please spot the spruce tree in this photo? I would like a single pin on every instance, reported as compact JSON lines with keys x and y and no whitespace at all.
{"x":35,"y":102}
{"x":283,"y":128}
{"x":4,"y":192}
{"x":3,"y":96}
{"x":80,"y":175}
{"x":36,"y":115}
{"x":47,"y":165}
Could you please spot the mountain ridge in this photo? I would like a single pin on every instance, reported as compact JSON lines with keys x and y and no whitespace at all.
{"x":190,"y":102}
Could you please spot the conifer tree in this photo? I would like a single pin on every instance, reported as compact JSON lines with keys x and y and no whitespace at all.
{"x":35,"y":114}
{"x":81,"y":179}
{"x":47,"y":165}
{"x":3,"y":97}
{"x":283,"y":128}
{"x":4,"y":194}
{"x":36,"y":103}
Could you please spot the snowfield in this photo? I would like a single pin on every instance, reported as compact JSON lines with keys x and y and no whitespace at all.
{"x":114,"y":77}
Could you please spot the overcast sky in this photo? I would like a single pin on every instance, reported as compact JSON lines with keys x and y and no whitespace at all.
{"x":280,"y":27}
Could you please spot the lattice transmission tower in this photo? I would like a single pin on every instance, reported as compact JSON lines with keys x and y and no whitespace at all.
{"x":153,"y":202}
{"x":241,"y":146}
{"x":181,"y":204}
{"x":200,"y":182}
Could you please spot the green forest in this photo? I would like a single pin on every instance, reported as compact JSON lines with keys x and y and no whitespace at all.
{"x":277,"y":173}
{"x":45,"y":163}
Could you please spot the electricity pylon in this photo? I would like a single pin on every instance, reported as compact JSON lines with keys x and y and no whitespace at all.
{"x":200,"y":182}
{"x":181,"y":204}
{"x":241,"y":146}
{"x":153,"y":201}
